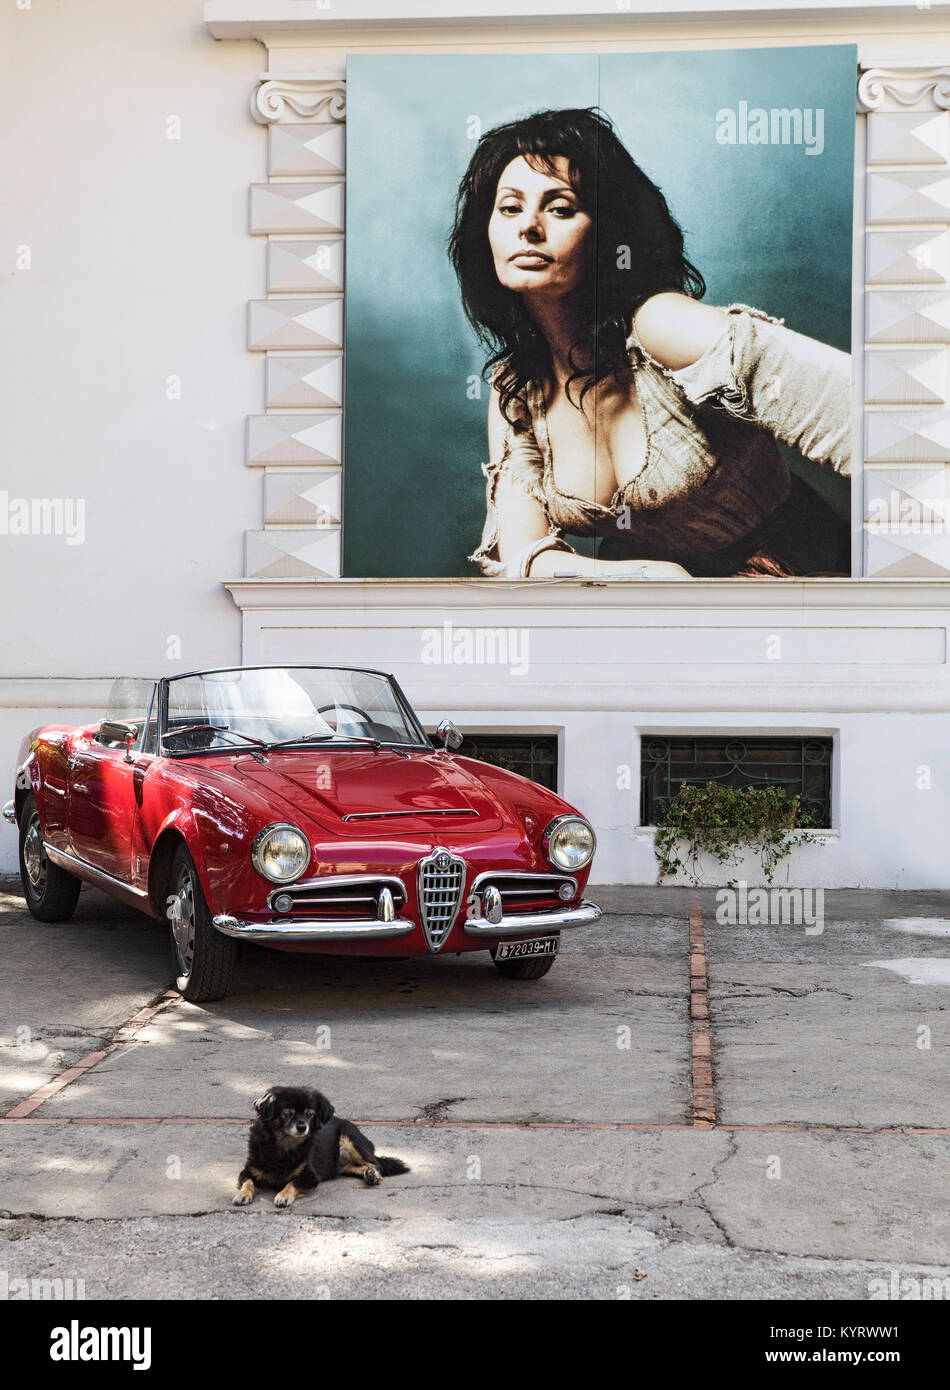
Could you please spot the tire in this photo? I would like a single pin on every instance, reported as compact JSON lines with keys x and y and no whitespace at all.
{"x":51,"y":893}
{"x":203,"y":960}
{"x":527,"y":968}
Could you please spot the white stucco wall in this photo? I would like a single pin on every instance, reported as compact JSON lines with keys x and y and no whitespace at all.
{"x":141,"y":271}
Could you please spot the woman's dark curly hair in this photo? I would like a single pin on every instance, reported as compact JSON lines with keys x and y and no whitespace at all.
{"x":637,"y":250}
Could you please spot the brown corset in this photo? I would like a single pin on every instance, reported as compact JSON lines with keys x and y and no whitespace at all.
{"x":712,"y":473}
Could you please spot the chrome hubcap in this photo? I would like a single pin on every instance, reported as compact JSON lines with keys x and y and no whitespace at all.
{"x":181,"y":915}
{"x":34,"y":855}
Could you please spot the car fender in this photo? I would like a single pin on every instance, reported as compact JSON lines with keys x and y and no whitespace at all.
{"x":27,"y":779}
{"x":218,"y":827}
{"x":180,"y":824}
{"x":39,"y":745}
{"x":527,"y":805}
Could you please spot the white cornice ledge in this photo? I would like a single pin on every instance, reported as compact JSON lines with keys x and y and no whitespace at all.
{"x":676,"y":693}
{"x":489,"y":595}
{"x":280,"y":19}
{"x":894,"y":88}
{"x":73,"y":693}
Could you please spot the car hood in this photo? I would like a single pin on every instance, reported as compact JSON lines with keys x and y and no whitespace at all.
{"x":376,"y":793}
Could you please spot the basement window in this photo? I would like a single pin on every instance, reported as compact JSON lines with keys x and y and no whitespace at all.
{"x":534,"y":757}
{"x":801,"y":765}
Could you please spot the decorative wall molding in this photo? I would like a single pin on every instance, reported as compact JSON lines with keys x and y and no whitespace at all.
{"x":304,"y":266}
{"x":314,"y":498}
{"x":641,"y":602}
{"x":907,"y":195}
{"x":298,"y":442}
{"x":315,"y":206}
{"x":314,"y":147}
{"x":894,"y":257}
{"x":311,"y":382}
{"x":281,"y":553}
{"x":907,"y":324}
{"x":315,"y":322}
{"x":282,"y":97}
{"x":893,"y":88}
{"x":295,"y":439}
{"x":908,"y":137}
{"x":908,"y":316}
{"x":906,"y":376}
{"x":893,"y":436}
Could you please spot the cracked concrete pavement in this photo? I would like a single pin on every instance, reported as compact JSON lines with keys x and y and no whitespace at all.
{"x":547,"y":1124}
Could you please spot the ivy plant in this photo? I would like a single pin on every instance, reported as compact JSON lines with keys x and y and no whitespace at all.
{"x":722,"y":821}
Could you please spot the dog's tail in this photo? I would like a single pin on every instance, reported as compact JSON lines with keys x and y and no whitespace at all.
{"x":390,"y":1166}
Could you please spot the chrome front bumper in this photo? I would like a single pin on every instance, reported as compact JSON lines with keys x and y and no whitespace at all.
{"x":9,"y":812}
{"x":297,"y":929}
{"x":514,"y":923}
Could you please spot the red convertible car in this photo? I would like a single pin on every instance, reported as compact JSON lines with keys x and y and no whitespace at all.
{"x":301,"y":807}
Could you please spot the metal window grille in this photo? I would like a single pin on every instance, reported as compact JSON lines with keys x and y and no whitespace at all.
{"x":801,"y":765}
{"x":531,"y":757}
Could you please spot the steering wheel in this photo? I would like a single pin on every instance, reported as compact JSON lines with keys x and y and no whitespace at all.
{"x":336,"y":705}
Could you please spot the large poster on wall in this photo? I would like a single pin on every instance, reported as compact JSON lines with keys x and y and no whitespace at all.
{"x":598,"y":314}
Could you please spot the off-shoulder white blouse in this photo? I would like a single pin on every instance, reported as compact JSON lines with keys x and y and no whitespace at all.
{"x":712,"y":472}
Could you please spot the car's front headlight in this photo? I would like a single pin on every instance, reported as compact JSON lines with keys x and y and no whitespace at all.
{"x":280,"y":853}
{"x":569,"y":843}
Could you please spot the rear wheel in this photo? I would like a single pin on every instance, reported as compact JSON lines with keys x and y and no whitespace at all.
{"x":51,"y":893}
{"x":524,"y":967}
{"x":203,"y":959}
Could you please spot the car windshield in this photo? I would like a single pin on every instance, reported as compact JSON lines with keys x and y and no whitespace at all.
{"x":315,"y":705}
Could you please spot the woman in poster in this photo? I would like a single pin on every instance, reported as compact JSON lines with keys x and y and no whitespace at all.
{"x":621,"y":407}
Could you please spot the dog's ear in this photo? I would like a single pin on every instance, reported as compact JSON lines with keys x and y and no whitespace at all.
{"x":266,"y":1105}
{"x":324,"y":1110}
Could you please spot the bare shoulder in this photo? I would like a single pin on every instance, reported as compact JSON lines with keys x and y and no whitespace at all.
{"x":676,"y":329}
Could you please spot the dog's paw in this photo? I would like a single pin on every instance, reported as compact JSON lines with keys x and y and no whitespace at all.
{"x":285,"y":1198}
{"x":244,"y":1195}
{"x":372,"y":1177}
{"x":241,"y":1201}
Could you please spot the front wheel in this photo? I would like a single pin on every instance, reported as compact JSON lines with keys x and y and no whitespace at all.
{"x":524,"y":967}
{"x":203,"y":959}
{"x":51,"y":893}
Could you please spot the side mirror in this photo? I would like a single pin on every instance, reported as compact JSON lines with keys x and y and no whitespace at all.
{"x":448,"y":735}
{"x":112,"y":731}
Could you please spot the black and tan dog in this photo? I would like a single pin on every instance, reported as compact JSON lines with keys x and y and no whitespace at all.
{"x":296,"y":1143}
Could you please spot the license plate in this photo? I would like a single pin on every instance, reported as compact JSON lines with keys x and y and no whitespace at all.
{"x":539,"y":946}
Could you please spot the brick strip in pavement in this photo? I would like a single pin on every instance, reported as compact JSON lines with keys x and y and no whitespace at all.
{"x":701,"y":1071}
{"x":125,"y":1033}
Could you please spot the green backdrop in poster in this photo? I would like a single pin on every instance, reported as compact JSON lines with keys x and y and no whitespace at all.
{"x":767,"y":224}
